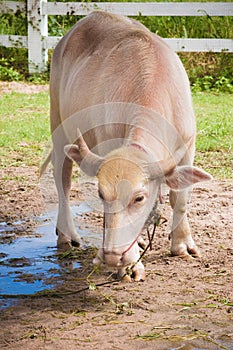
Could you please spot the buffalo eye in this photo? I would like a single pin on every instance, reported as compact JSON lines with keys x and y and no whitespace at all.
{"x":139,"y":199}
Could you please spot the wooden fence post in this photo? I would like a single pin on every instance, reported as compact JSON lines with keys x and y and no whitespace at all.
{"x":37,"y":31}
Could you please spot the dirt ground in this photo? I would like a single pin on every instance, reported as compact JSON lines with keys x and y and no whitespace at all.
{"x":181,"y":304}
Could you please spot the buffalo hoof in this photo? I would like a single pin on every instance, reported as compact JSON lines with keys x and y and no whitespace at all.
{"x":75,"y":243}
{"x":186,"y":251}
{"x":136,"y":273}
{"x":139,"y":275}
{"x":64,"y":243}
{"x":64,"y":246}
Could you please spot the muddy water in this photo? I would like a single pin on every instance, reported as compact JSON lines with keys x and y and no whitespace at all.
{"x":28,"y":264}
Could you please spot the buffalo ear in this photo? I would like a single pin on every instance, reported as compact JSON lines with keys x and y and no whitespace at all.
{"x":182,"y":177}
{"x":88,"y":161}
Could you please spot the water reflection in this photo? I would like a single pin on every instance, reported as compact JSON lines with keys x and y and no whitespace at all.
{"x":29,"y":264}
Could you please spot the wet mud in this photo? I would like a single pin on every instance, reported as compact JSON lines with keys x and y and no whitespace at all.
{"x":32,"y":263}
{"x":67,"y":304}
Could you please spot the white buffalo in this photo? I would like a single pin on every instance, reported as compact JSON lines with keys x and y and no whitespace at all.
{"x":121,"y":109}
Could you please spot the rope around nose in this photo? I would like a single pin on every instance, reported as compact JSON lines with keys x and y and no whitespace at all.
{"x":155,"y":219}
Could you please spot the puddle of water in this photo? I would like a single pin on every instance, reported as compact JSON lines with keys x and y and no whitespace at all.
{"x":26,"y":263}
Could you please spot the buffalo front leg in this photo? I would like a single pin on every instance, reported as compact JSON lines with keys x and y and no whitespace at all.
{"x":65,"y":229}
{"x":182,"y":243}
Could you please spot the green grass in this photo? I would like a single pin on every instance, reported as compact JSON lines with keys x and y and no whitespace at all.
{"x":24,"y":125}
{"x":214,"y":113}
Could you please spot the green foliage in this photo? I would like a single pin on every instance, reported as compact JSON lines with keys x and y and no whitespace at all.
{"x":206,"y":71}
{"x":208,"y":83}
{"x":13,"y":23}
{"x":59,"y":25}
{"x":7,"y":71}
{"x":189,"y":27}
{"x":15,"y":58}
{"x":209,"y":71}
{"x":39,"y":78}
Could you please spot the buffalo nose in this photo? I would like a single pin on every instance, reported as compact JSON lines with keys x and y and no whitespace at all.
{"x":112,"y":258}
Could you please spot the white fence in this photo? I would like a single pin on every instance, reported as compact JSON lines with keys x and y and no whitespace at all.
{"x":38,"y":42}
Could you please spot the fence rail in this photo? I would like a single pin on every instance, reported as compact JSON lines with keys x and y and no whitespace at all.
{"x":145,"y":9}
{"x":38,"y":42}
